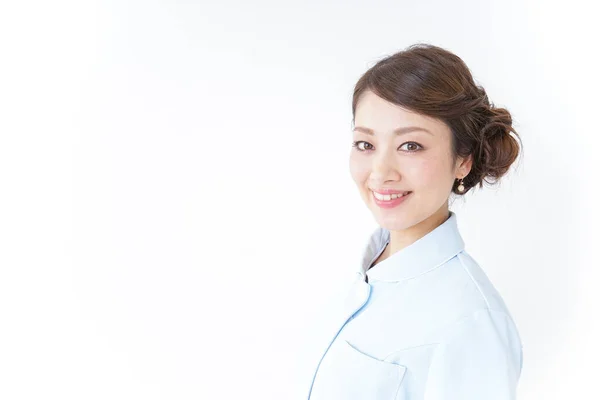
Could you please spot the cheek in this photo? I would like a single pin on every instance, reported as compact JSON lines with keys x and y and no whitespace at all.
{"x":359,"y":170}
{"x":428,"y":172}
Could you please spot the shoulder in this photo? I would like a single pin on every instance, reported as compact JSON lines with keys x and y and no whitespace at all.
{"x":480,"y":282}
{"x":470,"y":285}
{"x":483,"y":310}
{"x":458,"y":290}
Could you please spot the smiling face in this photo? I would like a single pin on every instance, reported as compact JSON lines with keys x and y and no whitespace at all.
{"x":418,"y":160}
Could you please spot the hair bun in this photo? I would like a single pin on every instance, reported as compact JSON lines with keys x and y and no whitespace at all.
{"x":498,"y":148}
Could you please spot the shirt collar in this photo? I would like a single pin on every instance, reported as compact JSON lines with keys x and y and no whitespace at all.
{"x":423,"y":255}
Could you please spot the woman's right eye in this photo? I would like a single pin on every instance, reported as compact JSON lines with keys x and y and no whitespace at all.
{"x":357,"y":146}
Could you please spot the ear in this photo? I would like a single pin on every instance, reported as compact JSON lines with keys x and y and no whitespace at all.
{"x":465,"y":165}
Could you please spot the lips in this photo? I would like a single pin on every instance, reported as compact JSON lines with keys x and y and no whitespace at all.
{"x":392,"y":202}
{"x":390,"y":191}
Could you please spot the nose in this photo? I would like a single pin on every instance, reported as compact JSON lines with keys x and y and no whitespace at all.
{"x":383,"y":162}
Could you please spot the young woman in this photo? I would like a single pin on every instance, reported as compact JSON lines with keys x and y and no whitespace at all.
{"x":422,"y":320}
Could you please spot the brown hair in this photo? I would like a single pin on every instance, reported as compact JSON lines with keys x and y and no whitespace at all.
{"x":432,"y":81}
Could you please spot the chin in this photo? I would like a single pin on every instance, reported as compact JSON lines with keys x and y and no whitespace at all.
{"x":396,"y":221}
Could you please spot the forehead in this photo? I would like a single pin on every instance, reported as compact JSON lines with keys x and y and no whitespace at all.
{"x":383,"y":117}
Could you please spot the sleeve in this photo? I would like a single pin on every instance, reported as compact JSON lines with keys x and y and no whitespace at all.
{"x":480,"y":358}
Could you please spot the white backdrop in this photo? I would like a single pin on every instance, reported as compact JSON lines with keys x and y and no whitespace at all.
{"x":176,"y":205}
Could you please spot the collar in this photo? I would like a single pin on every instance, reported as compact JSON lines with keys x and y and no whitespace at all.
{"x":423,"y":255}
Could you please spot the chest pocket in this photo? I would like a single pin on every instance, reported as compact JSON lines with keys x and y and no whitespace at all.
{"x":348,"y":374}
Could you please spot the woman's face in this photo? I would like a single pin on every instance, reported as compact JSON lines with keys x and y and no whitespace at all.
{"x":418,"y":160}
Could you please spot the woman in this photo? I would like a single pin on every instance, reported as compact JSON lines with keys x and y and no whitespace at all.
{"x":422,"y":320}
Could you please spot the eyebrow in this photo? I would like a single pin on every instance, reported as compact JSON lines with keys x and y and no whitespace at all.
{"x":397,"y":131}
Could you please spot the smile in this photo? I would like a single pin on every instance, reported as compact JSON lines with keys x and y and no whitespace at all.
{"x":389,"y":201}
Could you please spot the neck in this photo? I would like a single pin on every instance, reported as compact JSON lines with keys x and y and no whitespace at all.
{"x":401,"y":239}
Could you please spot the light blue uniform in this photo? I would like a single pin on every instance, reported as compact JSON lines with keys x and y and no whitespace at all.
{"x":428,"y":325}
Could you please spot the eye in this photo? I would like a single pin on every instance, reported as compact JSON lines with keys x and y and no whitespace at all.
{"x":357,"y":146}
{"x":412,"y":144}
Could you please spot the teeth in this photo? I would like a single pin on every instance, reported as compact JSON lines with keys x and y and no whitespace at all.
{"x":387,"y":197}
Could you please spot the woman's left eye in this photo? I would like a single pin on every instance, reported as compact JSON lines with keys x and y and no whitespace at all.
{"x":414,"y":144}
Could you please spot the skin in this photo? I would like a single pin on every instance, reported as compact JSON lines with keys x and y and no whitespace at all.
{"x":415,"y":161}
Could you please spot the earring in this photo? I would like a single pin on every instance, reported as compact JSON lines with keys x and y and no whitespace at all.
{"x":461,"y":187}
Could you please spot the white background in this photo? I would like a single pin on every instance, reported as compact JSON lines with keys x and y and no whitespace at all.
{"x":176,"y":205}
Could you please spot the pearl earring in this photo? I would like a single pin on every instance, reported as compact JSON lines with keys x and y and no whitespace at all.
{"x":461,"y":187}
